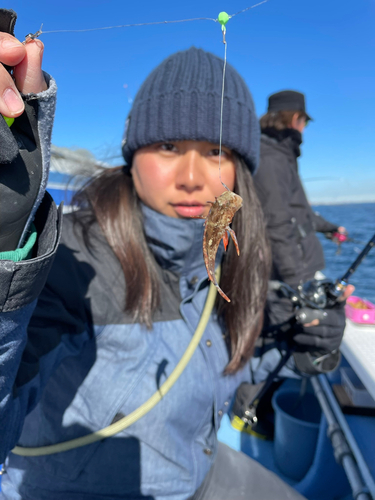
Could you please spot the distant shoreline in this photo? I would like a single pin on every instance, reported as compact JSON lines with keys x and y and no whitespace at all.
{"x":321,"y":203}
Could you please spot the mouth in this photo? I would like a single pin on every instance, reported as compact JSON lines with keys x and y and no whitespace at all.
{"x":189,"y":208}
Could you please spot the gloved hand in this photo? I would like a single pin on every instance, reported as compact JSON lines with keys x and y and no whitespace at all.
{"x":321,"y":338}
{"x":339,"y":238}
{"x":20,"y":156}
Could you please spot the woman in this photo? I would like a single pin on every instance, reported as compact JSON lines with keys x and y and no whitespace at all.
{"x":87,"y":339}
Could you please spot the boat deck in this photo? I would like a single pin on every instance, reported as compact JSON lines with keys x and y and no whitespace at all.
{"x":358,"y":347}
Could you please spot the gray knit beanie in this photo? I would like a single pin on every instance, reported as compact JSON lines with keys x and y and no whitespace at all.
{"x":180,"y":100}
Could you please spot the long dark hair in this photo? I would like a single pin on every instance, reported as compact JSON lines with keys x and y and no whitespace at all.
{"x":112,"y":201}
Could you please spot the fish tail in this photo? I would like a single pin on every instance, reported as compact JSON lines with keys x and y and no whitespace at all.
{"x":221,"y":292}
{"x":213,"y":279}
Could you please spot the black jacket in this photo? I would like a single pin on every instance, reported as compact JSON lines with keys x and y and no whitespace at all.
{"x":291,"y":223}
{"x":296,"y":251}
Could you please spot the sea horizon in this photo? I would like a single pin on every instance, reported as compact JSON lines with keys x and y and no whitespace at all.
{"x":315,"y":202}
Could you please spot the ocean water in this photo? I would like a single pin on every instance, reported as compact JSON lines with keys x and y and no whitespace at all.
{"x":359,"y":220}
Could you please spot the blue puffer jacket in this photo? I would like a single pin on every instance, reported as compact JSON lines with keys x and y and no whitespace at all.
{"x":82,"y":364}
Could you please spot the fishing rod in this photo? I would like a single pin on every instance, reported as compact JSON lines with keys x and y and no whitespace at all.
{"x":310,"y":299}
{"x":359,"y":259}
{"x":322,"y":294}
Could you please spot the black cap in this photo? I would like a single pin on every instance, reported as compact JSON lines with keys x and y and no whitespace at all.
{"x":287,"y":100}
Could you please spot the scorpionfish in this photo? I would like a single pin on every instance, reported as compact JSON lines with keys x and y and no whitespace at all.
{"x":217,"y":228}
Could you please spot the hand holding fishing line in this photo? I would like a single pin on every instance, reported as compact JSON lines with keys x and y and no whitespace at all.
{"x":26,"y":61}
{"x":26,"y":58}
{"x":22,"y":180}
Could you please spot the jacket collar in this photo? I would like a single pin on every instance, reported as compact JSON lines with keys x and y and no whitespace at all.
{"x":176,"y":243}
{"x":289,"y":138}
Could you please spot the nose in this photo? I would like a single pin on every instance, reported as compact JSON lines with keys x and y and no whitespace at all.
{"x":190,"y":171}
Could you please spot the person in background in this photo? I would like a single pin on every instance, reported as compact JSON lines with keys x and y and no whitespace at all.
{"x":291,"y":223}
{"x":297,"y":254}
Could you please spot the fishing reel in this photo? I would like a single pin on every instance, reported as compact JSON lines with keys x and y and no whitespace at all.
{"x":312,"y":297}
{"x":321,"y":294}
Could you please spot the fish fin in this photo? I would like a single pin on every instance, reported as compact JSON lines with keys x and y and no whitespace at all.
{"x":198,"y":217}
{"x":213,"y":279}
{"x":222,"y":293}
{"x":233,"y":234}
{"x":225,"y":240}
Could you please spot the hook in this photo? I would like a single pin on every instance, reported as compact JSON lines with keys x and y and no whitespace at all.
{"x":32,"y":36}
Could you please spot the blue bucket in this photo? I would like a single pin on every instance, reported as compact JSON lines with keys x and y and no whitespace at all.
{"x":297,"y":422}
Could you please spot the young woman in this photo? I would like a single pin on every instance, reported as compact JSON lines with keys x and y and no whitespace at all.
{"x":93,"y":324}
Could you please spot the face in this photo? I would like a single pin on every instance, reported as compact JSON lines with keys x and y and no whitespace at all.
{"x":179,"y":178}
{"x":298,"y":123}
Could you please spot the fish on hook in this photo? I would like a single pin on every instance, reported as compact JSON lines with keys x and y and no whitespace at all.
{"x":217,"y":228}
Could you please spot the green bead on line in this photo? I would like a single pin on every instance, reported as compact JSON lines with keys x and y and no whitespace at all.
{"x":223,"y":18}
{"x":9,"y":121}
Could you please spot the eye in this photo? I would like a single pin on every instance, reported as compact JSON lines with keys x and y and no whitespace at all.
{"x":216,"y":153}
{"x":168,"y":146}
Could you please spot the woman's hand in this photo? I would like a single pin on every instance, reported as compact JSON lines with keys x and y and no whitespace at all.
{"x":28,"y":76}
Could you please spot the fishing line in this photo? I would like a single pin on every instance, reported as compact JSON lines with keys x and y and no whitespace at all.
{"x":32,"y":36}
{"x":221,"y":112}
{"x":222,"y":18}
{"x":248,"y":8}
{"x":131,"y":25}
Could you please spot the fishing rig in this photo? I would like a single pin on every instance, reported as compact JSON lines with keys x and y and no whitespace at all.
{"x":222,"y":19}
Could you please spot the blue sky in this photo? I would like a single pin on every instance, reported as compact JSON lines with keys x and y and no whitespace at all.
{"x":322,"y":48}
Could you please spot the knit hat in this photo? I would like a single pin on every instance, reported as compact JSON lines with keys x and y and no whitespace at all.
{"x":180,"y":100}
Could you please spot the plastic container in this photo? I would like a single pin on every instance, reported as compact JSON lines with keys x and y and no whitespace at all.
{"x":296,"y":432}
{"x":360,"y":315}
{"x":354,"y":388}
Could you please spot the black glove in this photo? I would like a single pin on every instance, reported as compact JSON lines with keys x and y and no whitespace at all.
{"x":20,"y":164}
{"x":323,"y":338}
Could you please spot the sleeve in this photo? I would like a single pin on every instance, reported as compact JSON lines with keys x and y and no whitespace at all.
{"x":45,"y":318}
{"x":273,"y":184}
{"x":24,"y":165}
{"x":321,"y":225}
{"x":20,"y":285}
{"x":35,"y":317}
